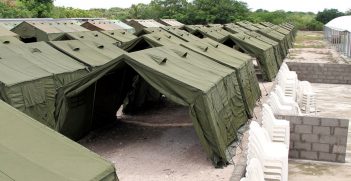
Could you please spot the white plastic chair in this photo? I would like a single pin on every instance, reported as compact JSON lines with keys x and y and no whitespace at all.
{"x":254,"y":171}
{"x":278,"y":129}
{"x":307,"y":97}
{"x":283,"y":99}
{"x":280,"y":109}
{"x":272,"y":156}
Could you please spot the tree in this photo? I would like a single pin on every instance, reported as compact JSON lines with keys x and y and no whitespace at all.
{"x":39,"y":8}
{"x":327,"y":15}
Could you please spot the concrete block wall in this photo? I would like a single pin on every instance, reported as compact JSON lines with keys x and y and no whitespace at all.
{"x":315,"y":138}
{"x":322,"y":73}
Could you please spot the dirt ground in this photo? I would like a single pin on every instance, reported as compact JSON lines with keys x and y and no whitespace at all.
{"x":310,"y":47}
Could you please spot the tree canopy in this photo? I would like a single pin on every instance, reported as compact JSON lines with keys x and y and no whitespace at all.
{"x":188,"y":12}
{"x":328,"y":14}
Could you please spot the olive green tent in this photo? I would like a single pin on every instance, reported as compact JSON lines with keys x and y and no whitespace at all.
{"x":92,"y":54}
{"x":276,"y":36}
{"x":287,"y":33}
{"x":31,"y":73}
{"x":262,"y":51}
{"x":45,"y":31}
{"x":278,"y":52}
{"x":251,"y":45}
{"x":222,"y":54}
{"x":209,"y":89}
{"x":29,"y":151}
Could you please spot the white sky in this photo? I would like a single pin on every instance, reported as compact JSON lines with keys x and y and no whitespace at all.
{"x":271,"y":5}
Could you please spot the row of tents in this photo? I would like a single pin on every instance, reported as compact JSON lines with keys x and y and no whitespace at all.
{"x":72,"y":79}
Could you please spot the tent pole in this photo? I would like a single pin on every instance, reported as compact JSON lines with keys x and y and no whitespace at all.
{"x":92,"y":112}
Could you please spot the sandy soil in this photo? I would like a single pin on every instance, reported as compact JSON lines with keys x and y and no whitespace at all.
{"x":168,"y":151}
{"x":318,"y":171}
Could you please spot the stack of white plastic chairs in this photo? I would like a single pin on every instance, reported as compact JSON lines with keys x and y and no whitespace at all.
{"x":266,"y":160}
{"x":292,"y":88}
{"x":281,"y":104}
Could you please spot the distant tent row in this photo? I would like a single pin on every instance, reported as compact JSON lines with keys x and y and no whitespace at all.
{"x":29,"y":151}
{"x":78,"y":78}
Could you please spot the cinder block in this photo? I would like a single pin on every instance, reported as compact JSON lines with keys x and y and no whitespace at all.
{"x":341,"y":131}
{"x":328,"y":139}
{"x":311,"y":121}
{"x":302,"y":146}
{"x":303,"y":129}
{"x":310,"y":155}
{"x":321,"y":130}
{"x":294,"y":137}
{"x":293,"y":154}
{"x":327,"y":157}
{"x":329,"y":122}
{"x":344,"y":123}
{"x":309,"y":138}
{"x":341,"y":158}
{"x":320,"y":147}
{"x":339,"y":149}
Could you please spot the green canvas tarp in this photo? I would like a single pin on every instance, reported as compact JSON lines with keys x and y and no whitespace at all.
{"x":262,"y":51}
{"x":29,"y":151}
{"x":92,"y":54}
{"x":31,"y":73}
{"x":10,"y":40}
{"x":240,"y":62}
{"x":209,"y":89}
{"x":6,"y":32}
{"x":45,"y":31}
{"x":222,"y":54}
{"x":9,"y":24}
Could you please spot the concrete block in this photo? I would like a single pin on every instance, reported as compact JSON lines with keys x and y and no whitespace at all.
{"x":329,"y":122}
{"x":294,"y":137}
{"x":341,"y":131}
{"x":339,"y":149}
{"x":341,"y":158}
{"x":310,"y":155}
{"x":303,"y":129}
{"x":302,"y":146}
{"x":309,"y":138}
{"x":327,"y":157}
{"x":311,"y":121}
{"x":344,"y":123}
{"x":293,"y":154}
{"x":321,"y":130}
{"x":328,"y":139}
{"x":320,"y":147}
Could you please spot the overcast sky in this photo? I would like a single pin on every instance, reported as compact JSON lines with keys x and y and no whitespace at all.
{"x":271,"y":5}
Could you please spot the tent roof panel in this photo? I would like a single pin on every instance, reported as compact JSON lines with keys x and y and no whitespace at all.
{"x":89,"y":52}
{"x":31,"y":151}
